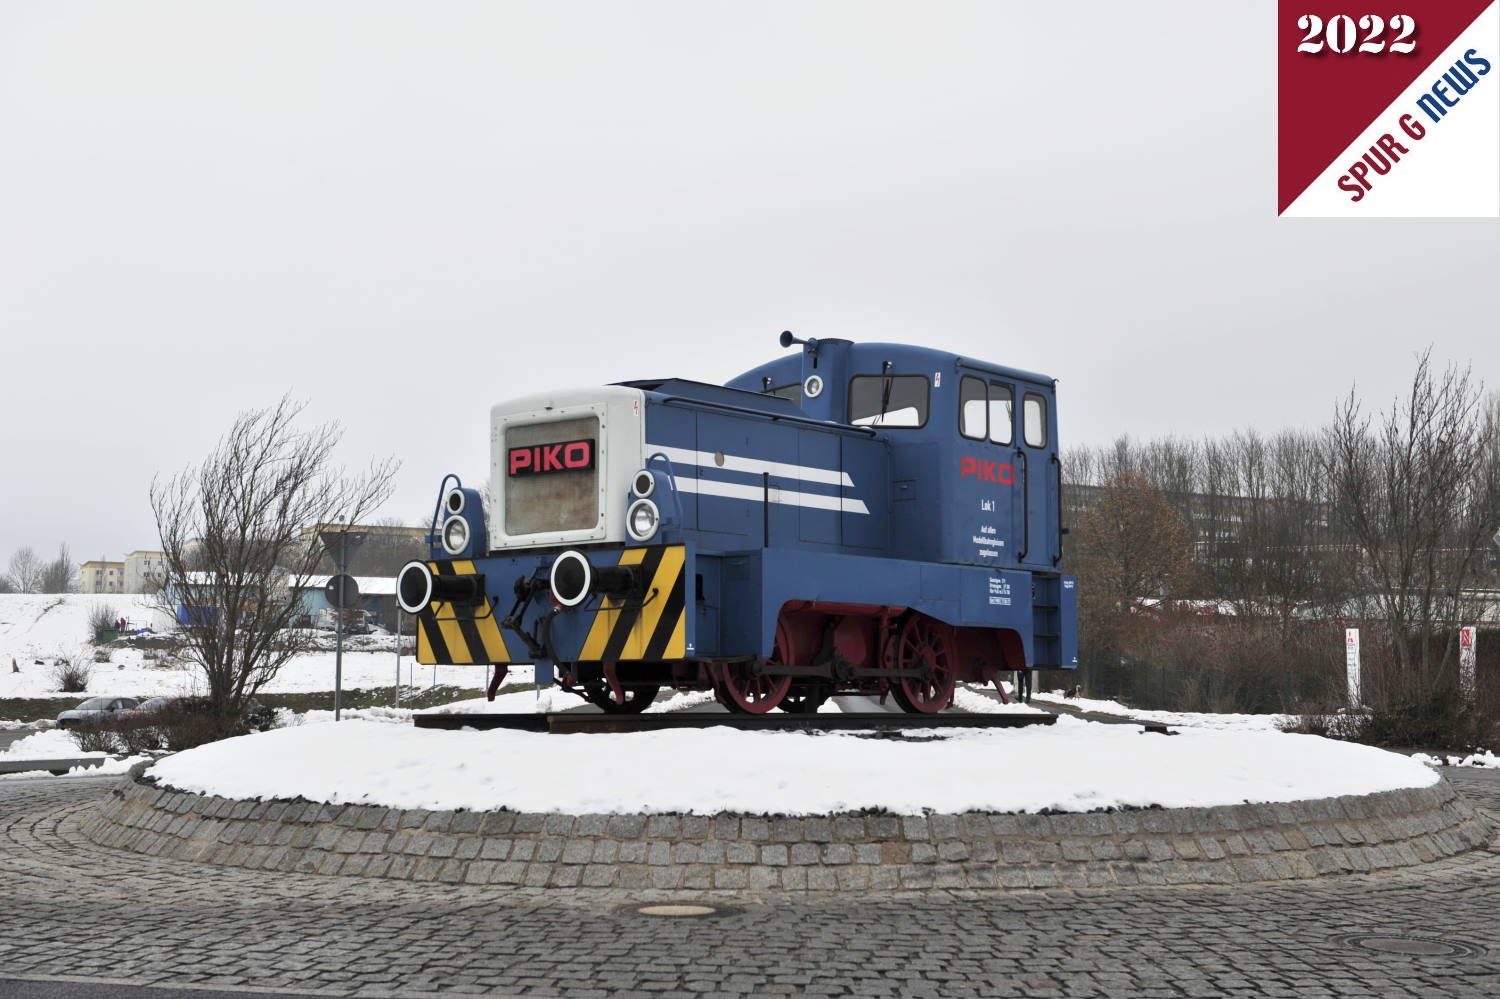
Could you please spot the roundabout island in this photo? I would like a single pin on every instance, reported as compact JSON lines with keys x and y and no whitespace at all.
{"x":1072,"y":805}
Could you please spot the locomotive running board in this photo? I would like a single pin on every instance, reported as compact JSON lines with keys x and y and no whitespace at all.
{"x":561,"y":724}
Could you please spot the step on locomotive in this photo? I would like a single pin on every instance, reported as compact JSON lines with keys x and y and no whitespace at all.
{"x":852,"y":518}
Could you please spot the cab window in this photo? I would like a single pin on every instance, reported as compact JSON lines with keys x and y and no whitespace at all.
{"x":1034,"y":416}
{"x":888,"y":400}
{"x":1002,"y":413}
{"x":973,"y":407}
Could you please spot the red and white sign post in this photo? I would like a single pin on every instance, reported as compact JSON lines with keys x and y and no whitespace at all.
{"x":1351,"y":664}
{"x":1468,"y":643}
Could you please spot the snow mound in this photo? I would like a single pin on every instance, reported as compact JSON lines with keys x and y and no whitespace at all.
{"x":1088,"y":766}
{"x":1485,"y":760}
{"x":109,"y":768}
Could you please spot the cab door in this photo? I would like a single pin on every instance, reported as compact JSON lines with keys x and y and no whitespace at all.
{"x":987,"y":483}
{"x":1038,"y":473}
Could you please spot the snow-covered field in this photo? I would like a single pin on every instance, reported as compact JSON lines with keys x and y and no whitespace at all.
{"x":1070,"y":766}
{"x":43,"y":627}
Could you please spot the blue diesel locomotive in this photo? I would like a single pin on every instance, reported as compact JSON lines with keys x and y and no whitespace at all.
{"x":853,"y":518}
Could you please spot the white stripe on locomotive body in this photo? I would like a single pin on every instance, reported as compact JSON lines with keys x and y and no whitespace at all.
{"x":786,"y":497}
{"x":758,"y":466}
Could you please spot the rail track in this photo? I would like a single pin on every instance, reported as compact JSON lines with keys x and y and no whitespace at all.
{"x":566,"y":723}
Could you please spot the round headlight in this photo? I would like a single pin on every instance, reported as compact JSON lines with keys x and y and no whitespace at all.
{"x":414,"y":587}
{"x":642,"y":519}
{"x":644,"y":484}
{"x":455,"y":501}
{"x":571,"y":578}
{"x":455,"y":535}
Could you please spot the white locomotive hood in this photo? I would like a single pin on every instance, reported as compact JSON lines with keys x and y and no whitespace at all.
{"x":561,"y":463}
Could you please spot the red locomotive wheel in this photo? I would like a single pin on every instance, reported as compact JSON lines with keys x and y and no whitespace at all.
{"x":925,"y":644}
{"x":742,"y":693}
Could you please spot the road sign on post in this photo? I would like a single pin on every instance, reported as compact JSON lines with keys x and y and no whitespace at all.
{"x":341,"y":546}
{"x":342,"y":591}
{"x":1351,"y":664}
{"x":1468,"y":647}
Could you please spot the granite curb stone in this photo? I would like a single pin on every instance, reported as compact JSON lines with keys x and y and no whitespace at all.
{"x":981,"y":851}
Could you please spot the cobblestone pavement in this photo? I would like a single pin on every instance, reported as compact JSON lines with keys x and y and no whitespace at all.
{"x":70,"y":908}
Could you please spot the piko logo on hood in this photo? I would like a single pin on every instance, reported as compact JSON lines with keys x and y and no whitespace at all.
{"x":540,"y":459}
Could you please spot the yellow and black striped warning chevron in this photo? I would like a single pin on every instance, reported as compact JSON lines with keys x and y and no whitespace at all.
{"x":652,"y":626}
{"x":448,"y":634}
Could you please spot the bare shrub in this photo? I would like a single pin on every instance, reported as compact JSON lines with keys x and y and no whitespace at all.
{"x":101,"y":655}
{"x":102,"y":617}
{"x":93,"y":737}
{"x":193,"y":721}
{"x":140,"y":735}
{"x":1183,"y":659}
{"x":1335,"y":725}
{"x":72,"y":670}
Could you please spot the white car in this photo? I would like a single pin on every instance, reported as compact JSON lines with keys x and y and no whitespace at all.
{"x":95,"y":709}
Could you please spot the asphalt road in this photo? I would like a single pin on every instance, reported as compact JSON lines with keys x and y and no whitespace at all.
{"x":9,"y":736}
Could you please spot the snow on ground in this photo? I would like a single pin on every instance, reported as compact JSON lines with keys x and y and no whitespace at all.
{"x":681,"y":700}
{"x":541,"y":701}
{"x":51,"y":745}
{"x":1087,"y":766}
{"x":41,"y":623}
{"x":965,"y":699}
{"x":1187,"y":719}
{"x":43,"y":626}
{"x":59,"y":745}
{"x":109,"y":768}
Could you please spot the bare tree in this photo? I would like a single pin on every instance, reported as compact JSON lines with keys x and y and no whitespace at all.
{"x":235,"y":557}
{"x":1133,"y":544}
{"x":25,"y":571}
{"x":57,"y":575}
{"x":1420,"y":493}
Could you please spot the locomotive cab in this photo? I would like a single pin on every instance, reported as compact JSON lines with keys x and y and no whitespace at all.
{"x":975,"y":467}
{"x":870,"y":518}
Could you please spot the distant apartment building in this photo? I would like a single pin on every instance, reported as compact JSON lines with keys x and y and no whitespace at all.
{"x":101,"y":577}
{"x":145,"y":571}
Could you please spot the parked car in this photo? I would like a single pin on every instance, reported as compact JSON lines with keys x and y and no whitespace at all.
{"x":356,"y":621}
{"x":151,"y":706}
{"x":256,"y":715}
{"x":96,"y":709}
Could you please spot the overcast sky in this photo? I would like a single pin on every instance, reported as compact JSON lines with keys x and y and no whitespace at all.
{"x":406,"y":212}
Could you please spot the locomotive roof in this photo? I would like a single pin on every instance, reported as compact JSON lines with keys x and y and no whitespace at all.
{"x":933,"y":357}
{"x":903,"y":357}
